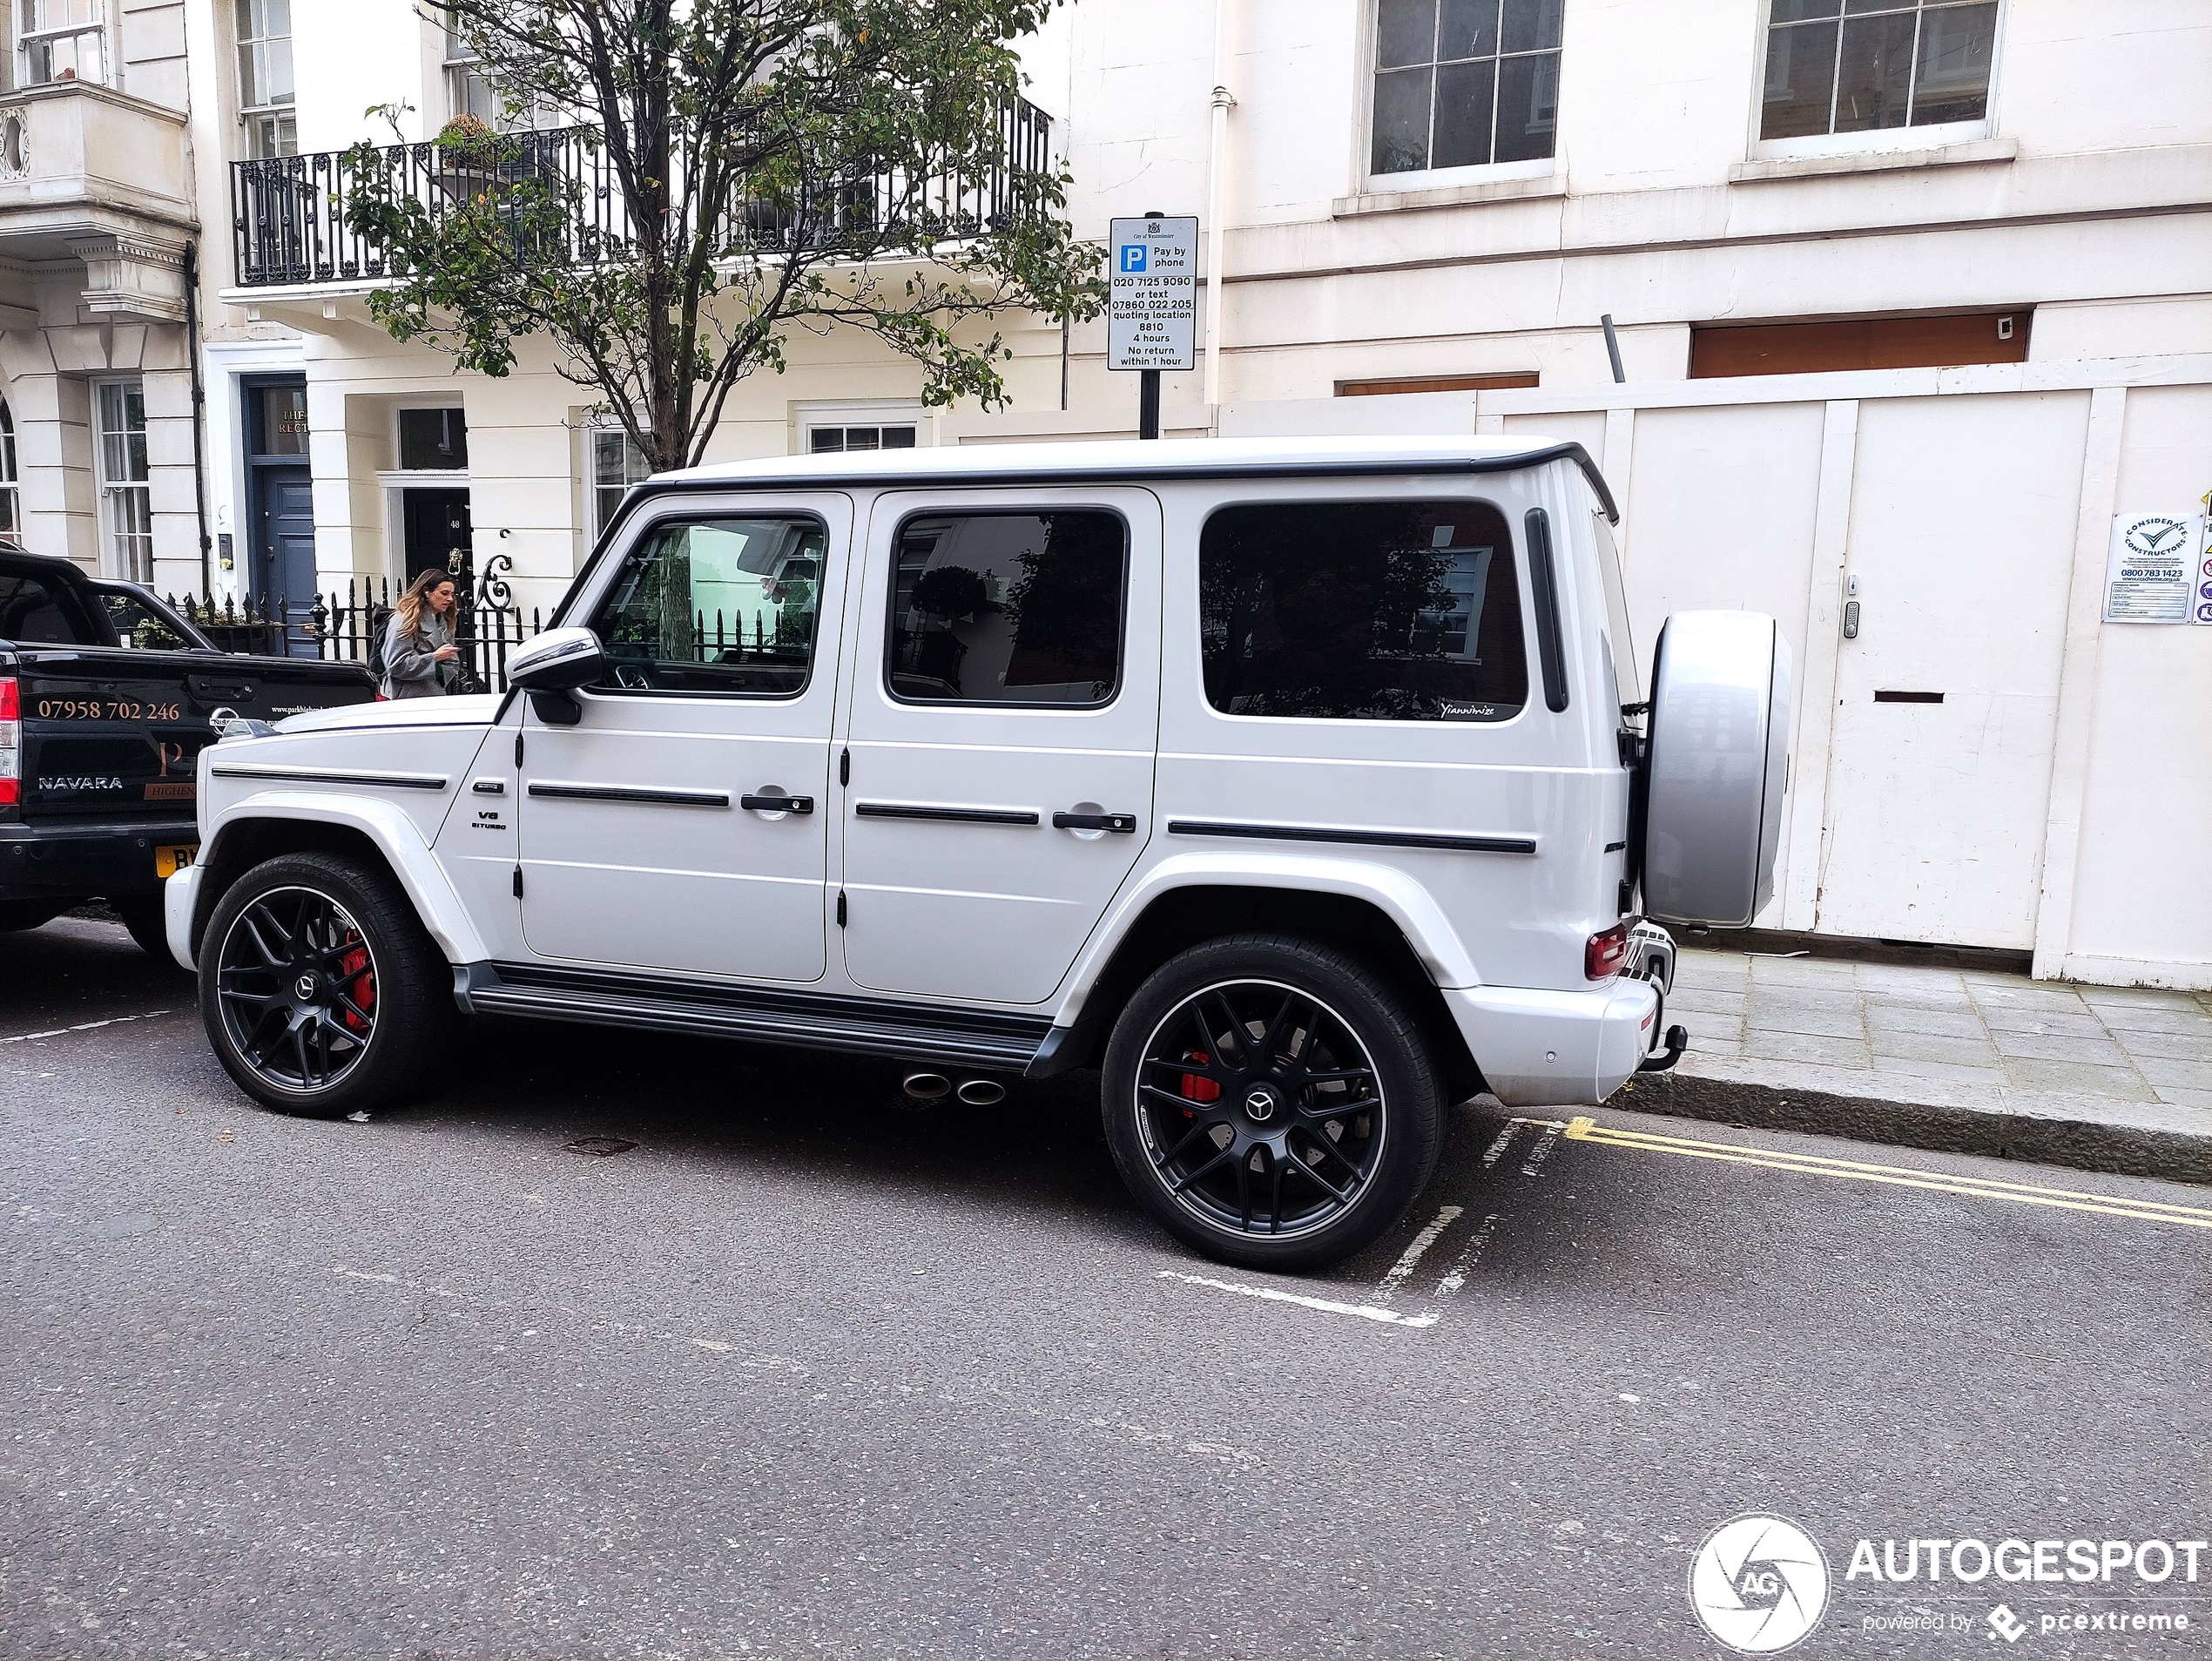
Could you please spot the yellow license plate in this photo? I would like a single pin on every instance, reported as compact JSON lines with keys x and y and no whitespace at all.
{"x":167,"y":861}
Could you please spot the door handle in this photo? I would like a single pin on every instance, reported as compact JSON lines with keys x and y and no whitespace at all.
{"x":1125,"y":823}
{"x":776,"y":804}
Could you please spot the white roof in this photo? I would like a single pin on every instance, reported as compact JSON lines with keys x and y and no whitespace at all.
{"x":1154,"y":458}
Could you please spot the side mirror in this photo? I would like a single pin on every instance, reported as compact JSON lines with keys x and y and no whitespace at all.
{"x":551,"y":667}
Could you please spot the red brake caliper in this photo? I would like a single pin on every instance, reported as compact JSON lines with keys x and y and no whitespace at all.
{"x":1196,"y":1088}
{"x":363,"y":991}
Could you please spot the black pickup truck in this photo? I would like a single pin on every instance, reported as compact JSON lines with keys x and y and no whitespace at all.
{"x":104,"y":699}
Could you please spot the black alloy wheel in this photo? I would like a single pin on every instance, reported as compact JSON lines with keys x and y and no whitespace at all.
{"x":297,"y":984}
{"x":1261,"y":1109}
{"x":320,"y":990}
{"x":1271,"y":1103}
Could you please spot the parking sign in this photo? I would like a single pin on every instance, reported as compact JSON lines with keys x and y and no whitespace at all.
{"x":1152,"y":317}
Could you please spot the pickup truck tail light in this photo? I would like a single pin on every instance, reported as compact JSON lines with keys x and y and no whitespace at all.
{"x":1604,"y":954}
{"x":10,"y":742}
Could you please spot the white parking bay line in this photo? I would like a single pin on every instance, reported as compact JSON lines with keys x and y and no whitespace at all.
{"x":1403,"y":1269}
{"x":86,"y":1026}
{"x":1496,"y":1150}
{"x":1270,"y":1294}
{"x":1552,"y":1131}
{"x":1470,"y":1254}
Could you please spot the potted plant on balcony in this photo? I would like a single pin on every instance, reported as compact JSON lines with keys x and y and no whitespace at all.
{"x":468,"y":163}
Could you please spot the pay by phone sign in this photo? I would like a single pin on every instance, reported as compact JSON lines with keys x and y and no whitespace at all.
{"x":1152,"y":313}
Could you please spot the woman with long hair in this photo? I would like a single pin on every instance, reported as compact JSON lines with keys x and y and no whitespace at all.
{"x":419,"y":658}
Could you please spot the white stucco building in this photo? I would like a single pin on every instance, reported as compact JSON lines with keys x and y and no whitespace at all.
{"x":1909,"y":305}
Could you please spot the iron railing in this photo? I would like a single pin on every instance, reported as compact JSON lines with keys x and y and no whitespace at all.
{"x":336,"y":628}
{"x":289,"y":225}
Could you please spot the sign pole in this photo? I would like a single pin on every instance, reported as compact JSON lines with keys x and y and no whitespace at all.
{"x":1153,"y":311}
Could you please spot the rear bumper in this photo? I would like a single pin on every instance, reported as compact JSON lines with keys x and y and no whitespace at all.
{"x":77,"y":861}
{"x":1556,"y":1048}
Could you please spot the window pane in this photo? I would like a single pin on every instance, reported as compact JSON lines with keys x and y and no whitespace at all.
{"x":1956,"y":43}
{"x":1800,"y":81}
{"x":276,"y":66}
{"x":1366,"y":610}
{"x":284,"y":421}
{"x":123,"y":432}
{"x":898,"y":438}
{"x":9,"y":516}
{"x":606,"y":457}
{"x":1531,"y":26}
{"x":827,"y":441}
{"x":1797,"y":10}
{"x":272,"y":135}
{"x":717,"y":606}
{"x":1401,"y":120}
{"x":1467,"y":28}
{"x":1405,"y":32}
{"x":432,"y":440}
{"x":1861,"y":7}
{"x":1009,"y":608}
{"x":60,"y":14}
{"x":1528,"y":106}
{"x":1463,"y":114}
{"x":1875,"y":78}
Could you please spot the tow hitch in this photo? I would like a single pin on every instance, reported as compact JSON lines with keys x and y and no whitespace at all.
{"x":1677,"y":1041}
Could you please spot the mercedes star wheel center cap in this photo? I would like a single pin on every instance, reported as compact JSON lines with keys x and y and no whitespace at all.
{"x":1260,"y":1104}
{"x":306,"y":988}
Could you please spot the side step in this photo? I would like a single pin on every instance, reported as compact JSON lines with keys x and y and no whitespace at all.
{"x":969,"y":1037}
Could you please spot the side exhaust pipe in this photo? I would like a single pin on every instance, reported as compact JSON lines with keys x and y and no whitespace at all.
{"x":982,"y":1092}
{"x":926,"y":1087}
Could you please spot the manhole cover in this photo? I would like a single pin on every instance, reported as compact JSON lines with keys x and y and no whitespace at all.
{"x":599,"y":1147}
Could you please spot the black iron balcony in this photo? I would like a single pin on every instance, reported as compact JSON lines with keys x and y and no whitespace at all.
{"x":289,"y":213}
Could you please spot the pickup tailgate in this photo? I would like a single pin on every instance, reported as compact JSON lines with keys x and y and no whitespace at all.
{"x":116,"y":733}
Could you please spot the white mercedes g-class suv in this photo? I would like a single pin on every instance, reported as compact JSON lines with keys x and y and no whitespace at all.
{"x":1303,"y":788}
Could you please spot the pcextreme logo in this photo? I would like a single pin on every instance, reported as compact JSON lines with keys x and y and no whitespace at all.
{"x":1759,"y":1584}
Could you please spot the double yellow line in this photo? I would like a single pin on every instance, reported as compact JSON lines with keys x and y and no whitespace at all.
{"x":1810,"y":1164}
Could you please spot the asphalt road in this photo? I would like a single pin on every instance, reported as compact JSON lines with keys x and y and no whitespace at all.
{"x":805,"y":1374}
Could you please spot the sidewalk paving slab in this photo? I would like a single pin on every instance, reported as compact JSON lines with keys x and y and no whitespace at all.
{"x":2099,"y":1078}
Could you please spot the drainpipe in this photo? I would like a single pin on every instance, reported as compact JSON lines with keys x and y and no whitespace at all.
{"x":1217,"y":163}
{"x":198,"y":416}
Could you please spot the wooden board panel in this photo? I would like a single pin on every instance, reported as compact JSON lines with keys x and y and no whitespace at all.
{"x":1858,"y":343}
{"x":1437,"y":383}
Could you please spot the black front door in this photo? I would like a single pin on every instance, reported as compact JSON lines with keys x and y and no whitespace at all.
{"x":436,"y":527}
{"x":284,"y":564}
{"x":280,"y":514}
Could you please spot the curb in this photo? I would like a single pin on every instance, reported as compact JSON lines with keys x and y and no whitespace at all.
{"x":2150,"y":1139}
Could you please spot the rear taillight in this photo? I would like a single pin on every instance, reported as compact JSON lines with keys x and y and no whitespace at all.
{"x":10,"y":743}
{"x":1603,"y":956}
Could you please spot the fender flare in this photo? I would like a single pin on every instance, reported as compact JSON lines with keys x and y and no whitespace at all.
{"x":1397,"y":895}
{"x":395,"y":835}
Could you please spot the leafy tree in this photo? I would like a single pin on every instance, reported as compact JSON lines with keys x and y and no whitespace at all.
{"x":729,"y":171}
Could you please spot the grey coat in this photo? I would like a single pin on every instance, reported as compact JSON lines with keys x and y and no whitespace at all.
{"x":410,"y":668}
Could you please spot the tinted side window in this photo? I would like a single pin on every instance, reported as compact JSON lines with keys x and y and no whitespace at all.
{"x":1009,"y":608}
{"x":37,"y":615}
{"x":138,"y":625}
{"x":1367,"y":610}
{"x":717,"y":606}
